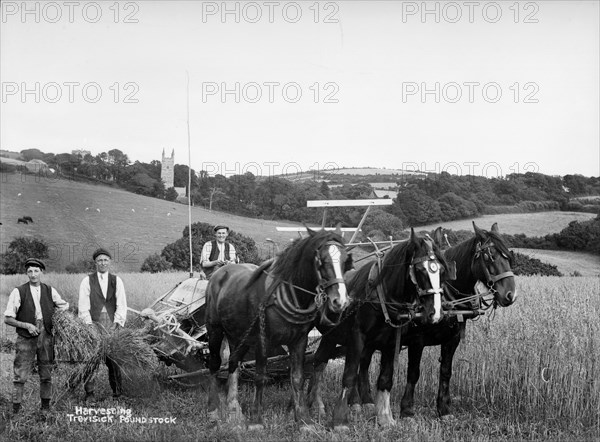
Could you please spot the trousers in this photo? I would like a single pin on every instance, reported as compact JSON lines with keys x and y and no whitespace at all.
{"x":28,"y":351}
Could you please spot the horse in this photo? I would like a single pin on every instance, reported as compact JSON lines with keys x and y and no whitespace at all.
{"x":483,"y":266}
{"x":28,"y":219}
{"x":385,"y":296}
{"x":21,"y":220}
{"x":283,"y":298}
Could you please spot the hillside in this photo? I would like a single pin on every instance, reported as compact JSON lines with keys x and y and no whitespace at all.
{"x":530,"y":224}
{"x":586,"y":264}
{"x":75,"y":218}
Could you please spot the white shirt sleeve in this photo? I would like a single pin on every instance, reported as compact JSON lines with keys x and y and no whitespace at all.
{"x":232,"y":253}
{"x":206,"y":249}
{"x":59,"y":303}
{"x":14,"y":302}
{"x":121,"y":311}
{"x":84,"y":301}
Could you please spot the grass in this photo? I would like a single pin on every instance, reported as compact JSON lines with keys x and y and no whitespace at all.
{"x":528,"y":372}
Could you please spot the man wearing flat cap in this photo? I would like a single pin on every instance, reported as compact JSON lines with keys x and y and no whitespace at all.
{"x":218,"y":252}
{"x":30,"y":309}
{"x":102,"y":302}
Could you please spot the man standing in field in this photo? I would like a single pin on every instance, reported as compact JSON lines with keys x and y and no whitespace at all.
{"x":218,"y":252}
{"x":30,"y":309}
{"x":102,"y":302}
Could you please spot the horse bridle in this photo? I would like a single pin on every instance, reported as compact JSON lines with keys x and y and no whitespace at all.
{"x":432,"y":265}
{"x":484,"y":256}
{"x":321,"y":293}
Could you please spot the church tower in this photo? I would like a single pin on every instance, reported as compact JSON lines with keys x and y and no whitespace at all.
{"x":167,"y":171}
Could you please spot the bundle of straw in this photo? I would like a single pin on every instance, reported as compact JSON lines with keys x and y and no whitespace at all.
{"x":74,"y":340}
{"x":130,"y":349}
{"x":89,"y":345}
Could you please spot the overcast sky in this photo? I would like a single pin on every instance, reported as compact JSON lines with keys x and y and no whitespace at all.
{"x":483,"y":87}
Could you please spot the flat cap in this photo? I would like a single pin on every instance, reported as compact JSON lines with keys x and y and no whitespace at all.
{"x":34,"y":262}
{"x":99,"y":252}
{"x":219,"y":227}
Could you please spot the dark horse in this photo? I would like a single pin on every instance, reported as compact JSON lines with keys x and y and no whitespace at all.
{"x":385,"y":296}
{"x":277,"y":303}
{"x":483,"y":267}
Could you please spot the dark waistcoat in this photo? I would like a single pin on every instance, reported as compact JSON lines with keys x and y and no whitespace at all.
{"x":97,"y":300}
{"x":26,"y":311}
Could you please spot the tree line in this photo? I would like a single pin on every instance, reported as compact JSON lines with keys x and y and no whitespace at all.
{"x":435,"y":198}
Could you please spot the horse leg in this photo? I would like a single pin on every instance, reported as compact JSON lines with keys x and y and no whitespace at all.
{"x":415,"y":352}
{"x":321,"y":358}
{"x":301,"y":414}
{"x":384,"y":387}
{"x":447,"y":353}
{"x":364,"y":385}
{"x":215,"y":337}
{"x":233,"y":405}
{"x":353,"y":353}
{"x":260,"y":380}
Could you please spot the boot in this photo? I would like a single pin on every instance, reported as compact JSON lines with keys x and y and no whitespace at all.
{"x":45,"y":404}
{"x":16,"y":408}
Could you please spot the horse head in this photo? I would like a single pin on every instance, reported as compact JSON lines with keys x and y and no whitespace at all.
{"x":331,"y":263}
{"x":428,"y":270}
{"x":491,"y":265}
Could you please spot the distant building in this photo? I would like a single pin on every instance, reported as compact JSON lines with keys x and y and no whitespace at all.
{"x":82,"y":153}
{"x":33,"y":166}
{"x":167,"y":170}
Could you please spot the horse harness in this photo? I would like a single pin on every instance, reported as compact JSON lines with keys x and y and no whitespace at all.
{"x":432,"y":266}
{"x":283,"y":293}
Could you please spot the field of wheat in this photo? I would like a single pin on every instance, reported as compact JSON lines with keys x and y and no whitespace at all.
{"x":527,"y":372}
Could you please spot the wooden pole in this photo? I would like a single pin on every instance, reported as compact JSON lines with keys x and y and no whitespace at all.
{"x":189,"y":175}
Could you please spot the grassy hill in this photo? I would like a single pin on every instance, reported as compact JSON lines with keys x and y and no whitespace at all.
{"x":75,"y":218}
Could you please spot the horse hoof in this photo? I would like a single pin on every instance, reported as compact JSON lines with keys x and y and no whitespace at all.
{"x":407,"y":413}
{"x":386,"y":421}
{"x":256,"y":427}
{"x":448,"y":418}
{"x":308,"y":428}
{"x":369,"y":410}
{"x":341,"y":428}
{"x":213,"y":416}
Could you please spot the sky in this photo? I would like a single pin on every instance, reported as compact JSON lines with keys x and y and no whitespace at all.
{"x":484,"y":88}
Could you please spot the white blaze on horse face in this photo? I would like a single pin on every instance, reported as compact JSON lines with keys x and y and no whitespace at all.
{"x":336,"y":255}
{"x":433,"y":270}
